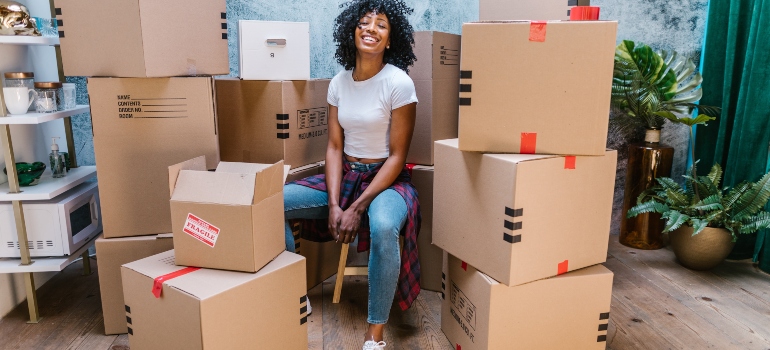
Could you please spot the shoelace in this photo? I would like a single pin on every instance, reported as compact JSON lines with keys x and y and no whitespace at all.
{"x":372,"y":345}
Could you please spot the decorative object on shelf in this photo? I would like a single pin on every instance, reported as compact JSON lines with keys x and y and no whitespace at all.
{"x":21,"y":79}
{"x":48,"y":95}
{"x":18,"y":99}
{"x":47,"y":27}
{"x":58,"y":163}
{"x":647,"y":89}
{"x":69,"y":96}
{"x":29,"y":173}
{"x":702,"y":205}
{"x":15,"y":19}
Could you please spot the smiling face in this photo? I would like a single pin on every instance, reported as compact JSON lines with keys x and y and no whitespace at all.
{"x":373,"y":34}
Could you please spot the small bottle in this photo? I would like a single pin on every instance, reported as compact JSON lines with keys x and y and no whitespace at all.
{"x":58,"y":168}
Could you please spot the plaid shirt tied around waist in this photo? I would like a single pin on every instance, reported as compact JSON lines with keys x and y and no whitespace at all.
{"x":352,"y":186}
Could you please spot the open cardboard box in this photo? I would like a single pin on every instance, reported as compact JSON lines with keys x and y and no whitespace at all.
{"x":230,"y":219}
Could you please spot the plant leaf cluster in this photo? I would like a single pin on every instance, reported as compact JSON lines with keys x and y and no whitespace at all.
{"x":701,"y":203}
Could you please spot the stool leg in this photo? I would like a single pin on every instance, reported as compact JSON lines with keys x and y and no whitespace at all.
{"x":340,"y":273}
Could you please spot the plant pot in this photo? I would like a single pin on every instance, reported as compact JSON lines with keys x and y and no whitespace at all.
{"x":703,"y":251}
{"x":646,"y":161}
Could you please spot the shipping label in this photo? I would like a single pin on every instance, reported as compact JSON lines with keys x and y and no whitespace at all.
{"x":463,"y":311}
{"x":130,"y":107}
{"x":448,"y":56}
{"x":201,"y":230}
{"x":312,"y":122}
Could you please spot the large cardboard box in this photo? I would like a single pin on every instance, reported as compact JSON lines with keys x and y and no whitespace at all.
{"x":274,"y":50}
{"x":541,"y":10}
{"x":431,"y":256}
{"x":521,"y":218}
{"x":113,"y":253}
{"x":322,"y":258}
{"x":141,"y":127}
{"x":570,"y":311}
{"x":230,"y":219}
{"x":214,"y":309}
{"x":139,"y":38}
{"x":436,"y":76}
{"x":268,"y":121}
{"x":542,"y":88}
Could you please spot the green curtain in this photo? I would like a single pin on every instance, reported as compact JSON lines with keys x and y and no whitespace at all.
{"x":736,"y":76}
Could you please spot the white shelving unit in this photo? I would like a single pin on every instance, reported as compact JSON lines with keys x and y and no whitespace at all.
{"x":40,"y":118}
{"x":28,"y":40}
{"x":48,"y":187}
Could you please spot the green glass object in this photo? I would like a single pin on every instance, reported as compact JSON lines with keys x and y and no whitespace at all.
{"x":29,"y":173}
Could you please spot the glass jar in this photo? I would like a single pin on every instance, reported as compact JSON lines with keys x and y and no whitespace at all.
{"x":48,"y":98}
{"x":21,"y":79}
{"x":69,"y":96}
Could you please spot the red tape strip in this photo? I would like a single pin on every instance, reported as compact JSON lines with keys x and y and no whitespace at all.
{"x":464,"y":265}
{"x":537,"y":31}
{"x":584,"y":13}
{"x":157,"y":285}
{"x":528,"y":143}
{"x":459,"y":347}
{"x":563,"y":267}
{"x":409,"y":168}
{"x":569,"y":162}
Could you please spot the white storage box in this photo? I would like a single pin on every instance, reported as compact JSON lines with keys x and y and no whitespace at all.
{"x":274,"y":50}
{"x":55,"y":227}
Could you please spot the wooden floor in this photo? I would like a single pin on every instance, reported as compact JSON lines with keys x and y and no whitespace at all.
{"x":656,"y":304}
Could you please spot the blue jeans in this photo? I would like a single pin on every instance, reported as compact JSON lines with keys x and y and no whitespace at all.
{"x":387,"y":215}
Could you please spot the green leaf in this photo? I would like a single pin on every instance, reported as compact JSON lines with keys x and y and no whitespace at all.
{"x":647,"y":207}
{"x":674,"y":220}
{"x":715,"y":175}
{"x":754,"y":199}
{"x":698,"y":225}
{"x":734,"y":194}
{"x":677,"y":198}
{"x":669,"y":184}
{"x":755,"y":223}
{"x":699,"y":120}
{"x":713,"y":202}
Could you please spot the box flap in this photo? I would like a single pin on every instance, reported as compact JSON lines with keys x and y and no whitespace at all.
{"x":198,"y":163}
{"x":204,"y":283}
{"x":215,"y":187}
{"x":508,"y":157}
{"x":265,"y":176}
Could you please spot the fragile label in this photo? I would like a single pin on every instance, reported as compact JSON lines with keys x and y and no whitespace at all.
{"x":463,"y":311}
{"x":201,"y":230}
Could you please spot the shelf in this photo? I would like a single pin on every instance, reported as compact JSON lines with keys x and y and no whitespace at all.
{"x":28,"y":40}
{"x":40,"y":118}
{"x":10,"y":265}
{"x":48,"y":188}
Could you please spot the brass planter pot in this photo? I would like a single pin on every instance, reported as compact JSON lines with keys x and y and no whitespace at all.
{"x":703,"y":251}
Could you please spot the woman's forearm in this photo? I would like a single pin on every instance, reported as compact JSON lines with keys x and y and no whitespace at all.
{"x":384,"y":178}
{"x":333,"y":175}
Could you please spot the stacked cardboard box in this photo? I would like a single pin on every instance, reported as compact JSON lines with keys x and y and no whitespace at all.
{"x":523,"y":198}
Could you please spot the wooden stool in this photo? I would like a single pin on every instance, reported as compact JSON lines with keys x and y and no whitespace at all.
{"x":344,"y":270}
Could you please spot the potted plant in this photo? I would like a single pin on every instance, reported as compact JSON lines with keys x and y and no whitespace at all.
{"x":649,"y":88}
{"x":704,"y":220}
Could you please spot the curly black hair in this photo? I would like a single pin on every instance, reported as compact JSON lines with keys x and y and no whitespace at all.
{"x":399,"y":54}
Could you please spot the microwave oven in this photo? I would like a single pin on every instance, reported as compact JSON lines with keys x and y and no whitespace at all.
{"x":55,"y":227}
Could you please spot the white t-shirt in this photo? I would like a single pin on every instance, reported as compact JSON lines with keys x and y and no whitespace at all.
{"x":364,"y":108}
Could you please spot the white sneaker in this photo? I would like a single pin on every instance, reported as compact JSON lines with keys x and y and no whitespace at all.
{"x":372,"y":345}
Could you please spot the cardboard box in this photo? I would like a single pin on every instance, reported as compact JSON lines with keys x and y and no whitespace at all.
{"x":532,"y":96}
{"x":273,"y":50}
{"x":214,"y":309}
{"x":521,"y":218}
{"x":541,"y":10}
{"x":113,"y":253}
{"x":268,"y":121}
{"x":133,"y":38}
{"x":431,"y":256}
{"x":230,"y":219}
{"x":322,"y":258}
{"x":570,"y":311}
{"x":141,"y":127}
{"x":436,"y":76}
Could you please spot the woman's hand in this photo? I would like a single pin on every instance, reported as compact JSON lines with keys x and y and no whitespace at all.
{"x":349,"y":223}
{"x":335,"y":216}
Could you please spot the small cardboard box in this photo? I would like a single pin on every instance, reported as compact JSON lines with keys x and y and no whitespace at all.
{"x":521,"y":218}
{"x":137,"y":38}
{"x":570,"y":311}
{"x":268,"y":121}
{"x":230,"y":219}
{"x":273,"y":50}
{"x":430,"y":256}
{"x":214,"y":309}
{"x":542,"y":88}
{"x":436,"y":76}
{"x":539,"y":10}
{"x":141,"y":127}
{"x":322,"y":258}
{"x":112,"y":254}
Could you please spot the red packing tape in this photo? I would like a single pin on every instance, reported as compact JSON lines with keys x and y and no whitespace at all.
{"x":464,"y":265}
{"x":563,"y":267}
{"x":528,"y":143}
{"x":584,"y":13}
{"x":459,"y":347}
{"x":157,"y":285}
{"x":409,"y":168}
{"x":569,"y":162}
{"x":537,"y":31}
